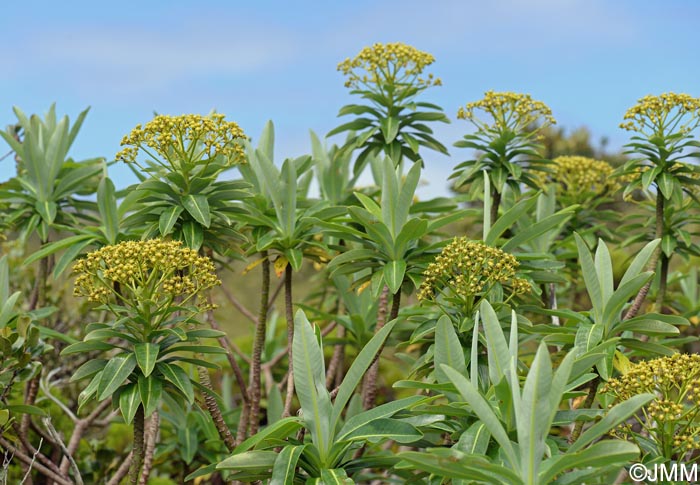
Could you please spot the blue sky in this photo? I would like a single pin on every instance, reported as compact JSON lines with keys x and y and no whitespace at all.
{"x":587,"y":59}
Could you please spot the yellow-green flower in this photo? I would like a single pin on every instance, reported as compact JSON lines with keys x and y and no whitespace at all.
{"x":580,"y":176}
{"x":467,"y":268}
{"x":394,"y":63}
{"x":670,"y":418}
{"x":508,"y":111}
{"x":663,"y":115}
{"x":185,"y":139}
{"x":137,"y":273}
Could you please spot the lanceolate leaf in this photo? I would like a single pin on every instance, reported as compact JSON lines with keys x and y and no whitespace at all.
{"x":284,"y":469}
{"x":310,"y":382}
{"x":146,"y":356}
{"x":150,"y":390}
{"x":168,"y":219}
{"x":198,"y":208}
{"x":129,"y":402}
{"x":114,"y":374}
{"x":179,"y":378}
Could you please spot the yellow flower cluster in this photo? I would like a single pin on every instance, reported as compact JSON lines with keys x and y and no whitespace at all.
{"x":392,"y":63}
{"x":155,"y":270}
{"x":513,"y":111}
{"x":657,"y":113}
{"x":576,"y":176}
{"x":675,"y":380}
{"x":186,"y":138}
{"x":467,"y":268}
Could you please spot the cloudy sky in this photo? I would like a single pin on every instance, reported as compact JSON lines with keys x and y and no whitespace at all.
{"x":587,"y":59}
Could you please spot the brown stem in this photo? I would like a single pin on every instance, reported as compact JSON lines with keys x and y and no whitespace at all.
{"x":274,"y":295}
{"x":495,"y":204}
{"x":138,"y":451}
{"x":122,"y":470}
{"x":62,"y":448}
{"x":588,"y":404}
{"x":334,"y":366}
{"x":239,"y":306}
{"x":228,"y":346}
{"x":289,"y":312}
{"x":80,"y":427}
{"x":369,"y":388}
{"x":215,"y":411}
{"x":663,"y":282}
{"x":27,"y":460}
{"x":151,"y":438}
{"x":258,"y":345}
{"x":29,"y":399}
{"x":242,"y":429}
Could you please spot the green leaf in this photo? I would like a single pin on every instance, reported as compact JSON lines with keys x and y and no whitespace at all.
{"x":81,"y":347}
{"x":146,"y":356}
{"x":356,"y":372}
{"x":89,"y":368}
{"x":475,"y":440}
{"x":279,"y":430}
{"x":599,"y":455}
{"x":448,"y":349}
{"x":114,"y":374}
{"x":533,"y":414}
{"x":179,"y":378}
{"x":55,"y":246}
{"x":640,"y":261}
{"x":390,"y":128}
{"x":295,"y":258}
{"x":284,"y":469}
{"x":198,"y":208}
{"x":47,"y":210}
{"x":107,"y":205}
{"x":129,"y":402}
{"x":484,"y":412}
{"x":590,"y":277}
{"x":499,"y":356}
{"x":150,"y":390}
{"x":615,"y":416}
{"x":193,"y":234}
{"x":168,"y":218}
{"x":249,"y":461}
{"x":383,"y":411}
{"x":394,"y":272}
{"x":510,"y":217}
{"x":385,"y":428}
{"x":335,"y":476}
{"x":310,"y":383}
{"x":603,"y":266}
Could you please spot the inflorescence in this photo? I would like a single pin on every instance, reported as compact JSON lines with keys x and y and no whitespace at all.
{"x":675,"y":380}
{"x":152,"y":271}
{"x":467,"y":268}
{"x":576,"y":175}
{"x":509,"y":111}
{"x":394,"y":63}
{"x":185,"y":138}
{"x":663,"y":115}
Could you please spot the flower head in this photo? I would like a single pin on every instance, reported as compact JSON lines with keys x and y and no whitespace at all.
{"x":152,"y":272}
{"x":663,"y":114}
{"x":185,"y":139}
{"x":581,"y":176}
{"x":465,"y":269}
{"x":511,"y":111}
{"x":675,"y":380}
{"x":394,"y":63}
